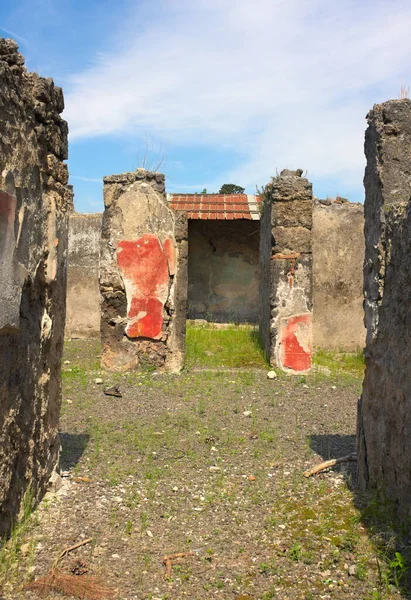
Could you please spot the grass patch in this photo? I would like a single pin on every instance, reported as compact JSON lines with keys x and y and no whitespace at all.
{"x":234,"y":346}
{"x":11,"y":549}
{"x":349,"y":363}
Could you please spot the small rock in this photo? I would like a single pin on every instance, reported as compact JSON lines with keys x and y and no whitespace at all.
{"x":55,"y":482}
{"x":115,"y":556}
{"x":66,"y":362}
{"x":25,"y":549}
{"x":352,"y":569}
{"x":271,"y":375}
{"x":114,"y":390}
{"x":247,"y":413}
{"x":214,"y":469}
{"x":251,"y":478}
{"x":69,"y":401}
{"x":98,"y":381}
{"x":148,"y":532}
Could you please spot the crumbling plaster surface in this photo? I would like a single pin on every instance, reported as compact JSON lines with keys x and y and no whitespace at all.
{"x":143,"y":274}
{"x":384,"y":412}
{"x":83,"y":293}
{"x":286,"y":272}
{"x":34,"y":207}
{"x":338,"y":257}
{"x":223,"y":270}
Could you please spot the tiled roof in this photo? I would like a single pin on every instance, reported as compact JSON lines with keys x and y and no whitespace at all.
{"x":217,"y":206}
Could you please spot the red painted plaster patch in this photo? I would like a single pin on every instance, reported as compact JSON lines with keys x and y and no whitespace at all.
{"x":145,"y":266}
{"x":295,"y":340}
{"x":8,"y":204}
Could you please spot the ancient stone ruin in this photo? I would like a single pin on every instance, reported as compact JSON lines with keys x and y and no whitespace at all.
{"x":384,"y":415}
{"x":286,"y":271}
{"x":225,"y":266}
{"x":143,"y":274}
{"x":34,"y":206}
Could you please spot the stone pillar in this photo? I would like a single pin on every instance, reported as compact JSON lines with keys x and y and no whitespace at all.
{"x":34,"y":206}
{"x":286,"y":272}
{"x":384,"y":413}
{"x":143,"y":274}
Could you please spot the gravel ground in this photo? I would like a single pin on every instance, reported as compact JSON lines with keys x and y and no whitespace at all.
{"x":207,"y":463}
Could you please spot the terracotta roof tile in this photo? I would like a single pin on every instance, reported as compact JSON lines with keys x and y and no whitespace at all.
{"x":217,"y":206}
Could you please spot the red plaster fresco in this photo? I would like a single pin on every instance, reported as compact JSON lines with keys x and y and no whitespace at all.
{"x":295,"y":349}
{"x":8,"y":204}
{"x":146,"y":266}
{"x":7,"y":207}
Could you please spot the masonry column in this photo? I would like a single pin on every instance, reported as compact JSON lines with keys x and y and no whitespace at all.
{"x":384,"y":414}
{"x":143,"y":274}
{"x":35,"y":203}
{"x":286,"y":272}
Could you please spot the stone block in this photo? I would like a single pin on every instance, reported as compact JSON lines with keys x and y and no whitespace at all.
{"x":291,"y":239}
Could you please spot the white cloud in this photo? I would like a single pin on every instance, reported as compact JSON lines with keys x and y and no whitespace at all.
{"x":281,"y":82}
{"x":87,"y":179}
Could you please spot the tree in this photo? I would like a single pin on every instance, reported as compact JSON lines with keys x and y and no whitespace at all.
{"x":231,"y":188}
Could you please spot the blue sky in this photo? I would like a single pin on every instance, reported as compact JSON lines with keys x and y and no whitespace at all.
{"x":216,"y":91}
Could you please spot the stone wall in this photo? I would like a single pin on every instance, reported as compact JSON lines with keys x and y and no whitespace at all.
{"x":82,"y":276}
{"x":223,"y":270}
{"x":338,"y":256}
{"x":384,"y":415}
{"x":34,"y":206}
{"x":143,"y":274}
{"x":286,"y":272}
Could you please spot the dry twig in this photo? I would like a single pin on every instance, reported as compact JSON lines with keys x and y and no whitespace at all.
{"x":330,"y":463}
{"x":168,"y":561}
{"x":68,"y":550}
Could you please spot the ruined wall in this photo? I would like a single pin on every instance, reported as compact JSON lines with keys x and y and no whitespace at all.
{"x":34,"y":206}
{"x":384,"y":415}
{"x":286,"y":272}
{"x":338,"y":256}
{"x":223,"y":270}
{"x":143,"y":275}
{"x":82,"y":276}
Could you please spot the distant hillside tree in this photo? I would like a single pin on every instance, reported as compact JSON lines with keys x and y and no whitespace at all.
{"x":231,"y":188}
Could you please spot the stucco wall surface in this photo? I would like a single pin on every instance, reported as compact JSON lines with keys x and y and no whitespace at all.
{"x":286,"y":272}
{"x":83,"y":293}
{"x":143,"y":274}
{"x":384,"y":413}
{"x":223,"y":270}
{"x":34,"y":207}
{"x":338,"y":256}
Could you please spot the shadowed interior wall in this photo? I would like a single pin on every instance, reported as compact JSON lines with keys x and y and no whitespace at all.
{"x":338,"y":257}
{"x":223,"y":270}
